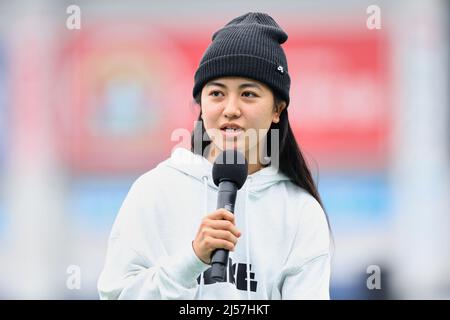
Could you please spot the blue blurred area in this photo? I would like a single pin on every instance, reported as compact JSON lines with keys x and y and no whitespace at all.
{"x":93,"y":202}
{"x":362,"y":198}
{"x":356,"y":289}
{"x":3,"y":217}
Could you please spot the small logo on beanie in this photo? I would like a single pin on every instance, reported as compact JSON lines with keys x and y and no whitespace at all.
{"x":280,"y":69}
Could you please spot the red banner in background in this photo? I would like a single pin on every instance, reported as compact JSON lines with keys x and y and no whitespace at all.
{"x":340,"y":106}
{"x":125,"y":88}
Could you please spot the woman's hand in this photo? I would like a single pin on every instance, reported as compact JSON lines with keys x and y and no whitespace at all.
{"x":217,"y":230}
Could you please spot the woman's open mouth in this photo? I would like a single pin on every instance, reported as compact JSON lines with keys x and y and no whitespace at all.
{"x":231,"y":132}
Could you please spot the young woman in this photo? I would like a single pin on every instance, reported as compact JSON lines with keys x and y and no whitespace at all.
{"x":168,"y":226}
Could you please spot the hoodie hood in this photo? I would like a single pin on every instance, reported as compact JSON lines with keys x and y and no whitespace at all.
{"x":200,"y":168}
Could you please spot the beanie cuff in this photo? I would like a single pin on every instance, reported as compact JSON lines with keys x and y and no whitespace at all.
{"x":248,"y":66}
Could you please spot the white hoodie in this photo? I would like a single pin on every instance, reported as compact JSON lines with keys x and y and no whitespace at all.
{"x":285,"y":238}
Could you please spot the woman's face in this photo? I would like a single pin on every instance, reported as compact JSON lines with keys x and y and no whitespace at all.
{"x":247,"y":105}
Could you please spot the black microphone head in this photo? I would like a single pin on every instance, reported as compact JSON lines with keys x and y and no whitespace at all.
{"x":230,"y":165}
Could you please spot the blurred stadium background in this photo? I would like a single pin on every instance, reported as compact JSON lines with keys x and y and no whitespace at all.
{"x":84,"y":112}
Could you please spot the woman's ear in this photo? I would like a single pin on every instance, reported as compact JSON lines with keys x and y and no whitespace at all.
{"x":278,"y":110}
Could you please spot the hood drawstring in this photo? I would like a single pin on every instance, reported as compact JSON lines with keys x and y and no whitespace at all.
{"x":205,"y":212}
{"x":247,"y":237}
{"x":247,"y":232}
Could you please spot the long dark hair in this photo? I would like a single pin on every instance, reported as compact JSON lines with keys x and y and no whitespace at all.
{"x":291,"y":160}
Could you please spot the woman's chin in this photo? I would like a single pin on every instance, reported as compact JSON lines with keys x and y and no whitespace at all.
{"x":229,"y":144}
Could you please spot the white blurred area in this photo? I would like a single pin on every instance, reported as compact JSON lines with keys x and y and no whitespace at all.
{"x":62,"y":180}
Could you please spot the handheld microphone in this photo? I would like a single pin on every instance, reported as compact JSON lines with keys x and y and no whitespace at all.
{"x":229,"y":173}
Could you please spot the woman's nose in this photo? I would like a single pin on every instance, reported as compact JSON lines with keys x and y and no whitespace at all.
{"x":232,"y":109}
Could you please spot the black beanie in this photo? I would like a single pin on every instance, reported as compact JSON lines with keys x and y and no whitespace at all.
{"x":248,"y":46}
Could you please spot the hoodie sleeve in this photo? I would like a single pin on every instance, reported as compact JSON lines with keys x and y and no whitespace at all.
{"x":306,"y":274}
{"x":130,"y":274}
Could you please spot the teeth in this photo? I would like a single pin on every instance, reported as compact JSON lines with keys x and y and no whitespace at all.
{"x":231,"y":129}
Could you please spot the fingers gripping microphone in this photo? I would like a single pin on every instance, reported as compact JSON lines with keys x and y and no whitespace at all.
{"x":229,"y":173}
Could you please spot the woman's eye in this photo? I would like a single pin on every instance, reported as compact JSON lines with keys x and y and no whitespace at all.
{"x":215,"y":93}
{"x":249,"y":94}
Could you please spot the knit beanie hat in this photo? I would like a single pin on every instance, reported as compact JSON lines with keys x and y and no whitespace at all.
{"x":248,"y":46}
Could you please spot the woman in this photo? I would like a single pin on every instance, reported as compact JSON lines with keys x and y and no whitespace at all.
{"x":161,"y":242}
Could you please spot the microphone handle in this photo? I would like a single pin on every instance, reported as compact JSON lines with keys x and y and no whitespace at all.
{"x":219,"y":259}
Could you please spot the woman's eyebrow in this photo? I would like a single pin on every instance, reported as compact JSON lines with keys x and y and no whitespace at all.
{"x":241,"y":86}
{"x":250,"y":85}
{"x":215,"y":84}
